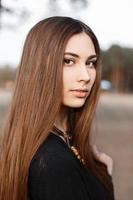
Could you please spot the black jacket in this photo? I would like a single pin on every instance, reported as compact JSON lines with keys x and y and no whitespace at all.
{"x":55,"y":173}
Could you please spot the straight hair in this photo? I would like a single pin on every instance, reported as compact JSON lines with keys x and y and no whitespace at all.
{"x":35,"y":104}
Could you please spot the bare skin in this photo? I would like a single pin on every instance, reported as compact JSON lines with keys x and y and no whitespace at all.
{"x":61,"y":121}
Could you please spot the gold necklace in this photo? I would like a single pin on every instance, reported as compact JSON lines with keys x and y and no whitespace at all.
{"x":76,"y":152}
{"x":67,"y":138}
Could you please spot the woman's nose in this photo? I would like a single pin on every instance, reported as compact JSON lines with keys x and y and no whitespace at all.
{"x":84,"y":74}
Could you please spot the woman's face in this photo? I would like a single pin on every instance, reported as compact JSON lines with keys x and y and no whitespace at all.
{"x":78,"y":70}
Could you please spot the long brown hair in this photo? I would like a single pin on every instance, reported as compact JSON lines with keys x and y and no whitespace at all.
{"x":36,"y":102}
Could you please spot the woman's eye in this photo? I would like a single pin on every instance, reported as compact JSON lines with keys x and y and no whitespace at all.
{"x":91,"y":64}
{"x":68,"y":61}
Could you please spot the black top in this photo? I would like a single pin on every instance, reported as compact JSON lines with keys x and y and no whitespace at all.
{"x":55,"y":173}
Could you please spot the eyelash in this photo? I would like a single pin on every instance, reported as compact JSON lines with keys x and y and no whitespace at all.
{"x":67,"y":59}
{"x":88,"y":63}
{"x":93,"y":63}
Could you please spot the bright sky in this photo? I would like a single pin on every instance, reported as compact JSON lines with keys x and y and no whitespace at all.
{"x":110,"y":20}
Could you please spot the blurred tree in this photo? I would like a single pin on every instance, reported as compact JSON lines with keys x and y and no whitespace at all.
{"x":18,"y":14}
{"x":116,"y":62}
{"x":7,"y":74}
{"x":22,"y":13}
{"x":117,"y":68}
{"x":128,"y":68}
{"x":0,"y":12}
{"x":56,"y":5}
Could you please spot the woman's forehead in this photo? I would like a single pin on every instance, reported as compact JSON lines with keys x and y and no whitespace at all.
{"x":80,"y":44}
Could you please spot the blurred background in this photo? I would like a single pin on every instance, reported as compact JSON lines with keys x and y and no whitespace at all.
{"x":111,"y":22}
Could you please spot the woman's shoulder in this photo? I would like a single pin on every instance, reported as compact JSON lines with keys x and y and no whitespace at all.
{"x":53,"y":171}
{"x":53,"y":143}
{"x":52,"y":152}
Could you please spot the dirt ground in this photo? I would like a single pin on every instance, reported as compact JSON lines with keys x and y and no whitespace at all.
{"x":113,"y":135}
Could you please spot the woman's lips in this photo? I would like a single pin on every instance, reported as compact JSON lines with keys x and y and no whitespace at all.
{"x":80,"y":93}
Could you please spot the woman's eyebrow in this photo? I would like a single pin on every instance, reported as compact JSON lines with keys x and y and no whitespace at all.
{"x":92,"y":57}
{"x":72,"y":54}
{"x":77,"y":56}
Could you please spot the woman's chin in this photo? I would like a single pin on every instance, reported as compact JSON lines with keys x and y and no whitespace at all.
{"x":75,"y":104}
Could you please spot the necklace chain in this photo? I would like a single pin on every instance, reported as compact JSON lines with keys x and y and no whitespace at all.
{"x":67,"y":139}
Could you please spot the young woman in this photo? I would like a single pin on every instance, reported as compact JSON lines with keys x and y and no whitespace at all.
{"x":46,"y":151}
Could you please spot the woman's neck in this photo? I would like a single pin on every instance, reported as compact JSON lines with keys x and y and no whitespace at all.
{"x":61,"y":120}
